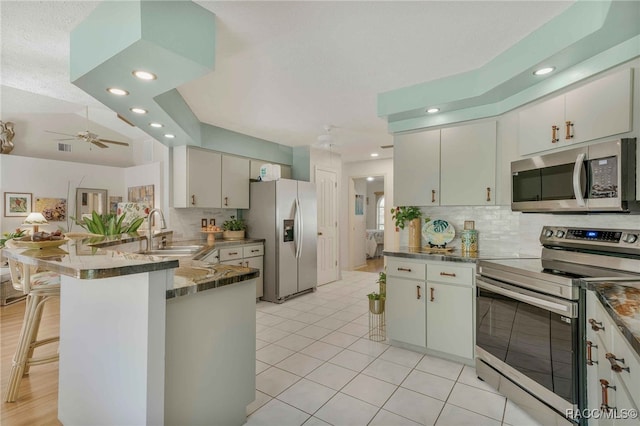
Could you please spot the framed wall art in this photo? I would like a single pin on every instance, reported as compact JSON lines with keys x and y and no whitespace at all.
{"x":140,"y":194}
{"x":53,"y":209}
{"x":17,"y":204}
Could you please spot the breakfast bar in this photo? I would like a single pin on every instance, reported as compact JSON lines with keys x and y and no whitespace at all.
{"x":142,"y":344}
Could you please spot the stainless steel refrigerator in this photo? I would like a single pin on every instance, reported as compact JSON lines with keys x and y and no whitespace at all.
{"x":284,"y":213}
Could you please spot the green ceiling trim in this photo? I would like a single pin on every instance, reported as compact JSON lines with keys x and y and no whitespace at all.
{"x":219,"y":139}
{"x":617,"y":55}
{"x":583,"y":31}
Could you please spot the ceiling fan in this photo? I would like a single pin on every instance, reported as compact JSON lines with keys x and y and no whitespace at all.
{"x":88,"y":136}
{"x":327,"y":140}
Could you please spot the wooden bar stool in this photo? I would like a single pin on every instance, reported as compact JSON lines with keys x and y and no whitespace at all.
{"x":39,"y":287}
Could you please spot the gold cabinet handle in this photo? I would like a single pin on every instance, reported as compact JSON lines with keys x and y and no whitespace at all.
{"x":193,"y":200}
{"x":614,"y":364}
{"x":433,"y":195}
{"x":488,"y":194}
{"x":432,"y":291}
{"x":569,"y":127}
{"x":447,"y":274}
{"x":590,"y":360}
{"x":604,"y":385}
{"x":418,"y":295}
{"x":404,"y":269}
{"x":554,"y":134}
{"x":319,"y":233}
{"x":233,"y":253}
{"x":226,"y":201}
{"x":595,"y":325}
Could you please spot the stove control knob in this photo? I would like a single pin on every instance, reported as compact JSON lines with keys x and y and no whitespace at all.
{"x":548,"y":233}
{"x":559,"y":233}
{"x":631,"y":238}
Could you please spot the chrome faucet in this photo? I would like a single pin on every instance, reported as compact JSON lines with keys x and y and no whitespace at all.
{"x":163,"y":224}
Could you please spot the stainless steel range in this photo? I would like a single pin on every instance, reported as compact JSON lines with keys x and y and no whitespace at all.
{"x":530,"y":316}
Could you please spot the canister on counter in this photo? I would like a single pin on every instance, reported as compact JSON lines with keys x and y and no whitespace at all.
{"x":469,"y":241}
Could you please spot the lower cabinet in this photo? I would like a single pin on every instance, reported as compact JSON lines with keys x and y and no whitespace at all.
{"x":612,"y":370}
{"x":431,"y":305}
{"x":250,"y":256}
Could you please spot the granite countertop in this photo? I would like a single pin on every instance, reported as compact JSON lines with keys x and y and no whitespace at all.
{"x":104,"y":257}
{"x":621,"y":299}
{"x":454,"y":255}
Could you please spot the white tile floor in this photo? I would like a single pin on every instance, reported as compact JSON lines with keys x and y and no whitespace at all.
{"x":316,"y":366}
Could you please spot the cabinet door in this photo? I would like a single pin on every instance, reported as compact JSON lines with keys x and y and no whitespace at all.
{"x":535,"y":126}
{"x":600,"y":109}
{"x":405,"y":311}
{"x":450,"y":313}
{"x":203,"y":177}
{"x":257,"y":263}
{"x":468,"y":165}
{"x":416,"y":169}
{"x":235,"y":182}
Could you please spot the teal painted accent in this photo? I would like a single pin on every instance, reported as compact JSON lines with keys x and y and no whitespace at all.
{"x":617,"y":55}
{"x":301,"y":169}
{"x":173,"y":104}
{"x":223,"y":140}
{"x":583,"y":31}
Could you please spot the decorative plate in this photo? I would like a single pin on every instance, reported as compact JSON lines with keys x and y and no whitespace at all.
{"x":39,"y":244}
{"x":438,"y":232}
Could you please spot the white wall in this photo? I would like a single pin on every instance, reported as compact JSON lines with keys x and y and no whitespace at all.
{"x":360,"y":169}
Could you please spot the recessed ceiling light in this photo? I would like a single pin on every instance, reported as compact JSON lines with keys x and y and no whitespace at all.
{"x":543,"y":71}
{"x":138,"y":110}
{"x":374,"y":154}
{"x":117,"y":92}
{"x":155,"y":125}
{"x":169,"y":136}
{"x":144,"y":75}
{"x":370,"y":178}
{"x":433,"y":110}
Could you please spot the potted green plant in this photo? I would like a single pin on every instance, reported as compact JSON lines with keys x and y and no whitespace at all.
{"x":376,"y":302}
{"x":108,"y":224}
{"x":11,"y":235}
{"x":233,"y":229}
{"x":411,"y":214}
{"x":382,"y":282}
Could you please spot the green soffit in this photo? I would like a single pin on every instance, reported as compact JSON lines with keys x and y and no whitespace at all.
{"x":586,"y":39}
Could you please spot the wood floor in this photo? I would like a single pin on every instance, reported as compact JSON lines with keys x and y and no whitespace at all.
{"x":37,"y":402}
{"x":375,"y":264}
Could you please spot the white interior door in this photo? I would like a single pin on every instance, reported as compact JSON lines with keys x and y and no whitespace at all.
{"x":327,"y":195}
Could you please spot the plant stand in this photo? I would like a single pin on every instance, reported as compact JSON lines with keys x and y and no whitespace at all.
{"x":377,"y":326}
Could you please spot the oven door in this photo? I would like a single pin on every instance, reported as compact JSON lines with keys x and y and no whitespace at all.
{"x":530,"y":338}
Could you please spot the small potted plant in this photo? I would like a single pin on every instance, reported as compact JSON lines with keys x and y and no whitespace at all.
{"x":376,"y":302}
{"x":233,"y":229}
{"x":382,"y":281}
{"x":403,"y":214}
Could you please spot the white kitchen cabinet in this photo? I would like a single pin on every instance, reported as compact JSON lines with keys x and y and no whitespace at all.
{"x":426,"y":314}
{"x":405,"y":309}
{"x":196,"y":178}
{"x":468,"y":165}
{"x":416,"y":165}
{"x":620,"y":388}
{"x":596,"y":110}
{"x":249,"y":256}
{"x":235,"y":182}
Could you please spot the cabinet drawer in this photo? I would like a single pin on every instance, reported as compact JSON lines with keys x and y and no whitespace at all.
{"x":405,"y":269}
{"x":230,"y":253}
{"x":251,"y":251}
{"x":622,"y":350}
{"x":448,"y":273}
{"x":598,"y":322}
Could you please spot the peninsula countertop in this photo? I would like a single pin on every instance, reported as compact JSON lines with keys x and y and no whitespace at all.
{"x":104,"y":257}
{"x":455,"y":255}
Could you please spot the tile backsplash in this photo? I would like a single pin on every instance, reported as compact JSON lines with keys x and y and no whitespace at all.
{"x":500,"y":229}
{"x":186,"y":223}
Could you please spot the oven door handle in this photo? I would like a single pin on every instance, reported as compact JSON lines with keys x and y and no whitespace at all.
{"x":559,"y":308}
{"x":577,"y":187}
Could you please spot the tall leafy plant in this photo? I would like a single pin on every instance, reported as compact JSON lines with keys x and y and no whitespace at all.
{"x":403,"y":214}
{"x":109,"y":224}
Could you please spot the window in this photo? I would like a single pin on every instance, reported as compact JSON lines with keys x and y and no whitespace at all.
{"x":380,"y":215}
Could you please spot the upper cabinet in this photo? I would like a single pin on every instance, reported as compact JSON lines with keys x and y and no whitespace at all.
{"x":208,"y":179}
{"x":196,"y":178}
{"x":448,"y":167}
{"x":235,"y":182}
{"x":416,"y":165}
{"x":596,"y":110}
{"x":468,"y":165}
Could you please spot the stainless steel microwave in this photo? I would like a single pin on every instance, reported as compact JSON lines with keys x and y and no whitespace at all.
{"x":594,"y":178}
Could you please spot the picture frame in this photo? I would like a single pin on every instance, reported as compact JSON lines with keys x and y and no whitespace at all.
{"x":17,"y":204}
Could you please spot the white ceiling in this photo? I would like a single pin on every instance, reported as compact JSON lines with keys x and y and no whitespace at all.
{"x":284,"y":70}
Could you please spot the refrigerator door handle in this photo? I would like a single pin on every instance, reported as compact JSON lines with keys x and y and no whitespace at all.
{"x":296,"y":235}
{"x":301,"y":222}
